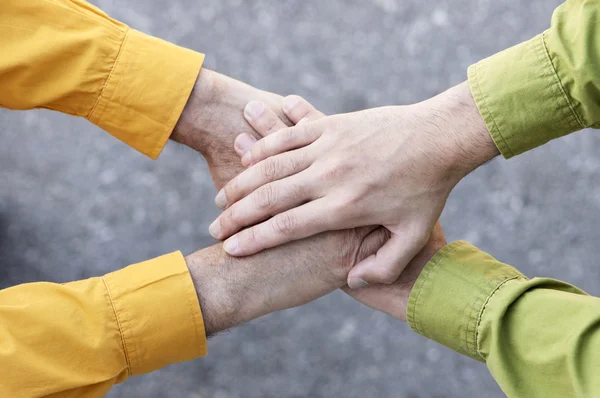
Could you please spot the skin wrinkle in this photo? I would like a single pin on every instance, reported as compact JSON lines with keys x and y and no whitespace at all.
{"x":230,"y":291}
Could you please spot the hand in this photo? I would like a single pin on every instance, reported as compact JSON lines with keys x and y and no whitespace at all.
{"x":393,"y":299}
{"x":213,"y":117}
{"x":392,"y":166}
{"x":236,"y":290}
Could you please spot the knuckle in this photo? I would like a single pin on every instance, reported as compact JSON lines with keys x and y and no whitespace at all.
{"x":261,"y":147}
{"x":271,"y":123}
{"x":387,"y":275}
{"x":269,"y":169}
{"x":285,"y":223}
{"x":312,"y":130}
{"x":287,"y":137}
{"x":231,"y":190}
{"x":292,"y":191}
{"x":251,"y":235}
{"x":418,"y":235}
{"x":225,"y":221}
{"x":266,"y":197}
{"x":349,"y":201}
{"x":294,"y":162}
{"x":340,"y":206}
{"x":334,"y":169}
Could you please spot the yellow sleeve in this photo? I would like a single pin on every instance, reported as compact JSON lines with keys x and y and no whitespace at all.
{"x":79,"y":339}
{"x":69,"y":56}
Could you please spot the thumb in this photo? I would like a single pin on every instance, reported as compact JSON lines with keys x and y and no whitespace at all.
{"x":386,"y":265}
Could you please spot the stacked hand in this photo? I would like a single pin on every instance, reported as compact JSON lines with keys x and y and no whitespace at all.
{"x":392,"y":299}
{"x":392,"y":166}
{"x":231,"y":290}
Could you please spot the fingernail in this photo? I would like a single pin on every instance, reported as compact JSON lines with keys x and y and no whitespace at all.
{"x":231,"y":245}
{"x":243,"y":143}
{"x":290,"y":103}
{"x":254,"y":109}
{"x":357,"y":283}
{"x":247,"y":159}
{"x":221,"y":200}
{"x":215,"y":229}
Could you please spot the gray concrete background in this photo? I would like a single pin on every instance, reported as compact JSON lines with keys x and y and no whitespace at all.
{"x":76,"y":203}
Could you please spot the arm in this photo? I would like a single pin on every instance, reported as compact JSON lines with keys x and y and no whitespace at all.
{"x":394,"y":166}
{"x":69,"y":56}
{"x":546,"y":87}
{"x":538,"y":337}
{"x":83,"y":337}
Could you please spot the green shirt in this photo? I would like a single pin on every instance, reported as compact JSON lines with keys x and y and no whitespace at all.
{"x":538,"y":337}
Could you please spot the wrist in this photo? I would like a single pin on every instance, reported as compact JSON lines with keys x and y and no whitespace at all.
{"x":220,"y":308}
{"x":213,"y":115}
{"x":464,"y":135}
{"x":190,"y":128}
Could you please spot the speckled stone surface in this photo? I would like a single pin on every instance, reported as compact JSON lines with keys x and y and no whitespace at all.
{"x":76,"y":203}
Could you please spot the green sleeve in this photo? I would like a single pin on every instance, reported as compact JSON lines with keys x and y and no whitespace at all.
{"x":546,"y":87}
{"x":538,"y":337}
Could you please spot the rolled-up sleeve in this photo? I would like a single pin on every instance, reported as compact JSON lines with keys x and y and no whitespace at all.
{"x":69,"y":56}
{"x":546,"y":87}
{"x":539,"y":337}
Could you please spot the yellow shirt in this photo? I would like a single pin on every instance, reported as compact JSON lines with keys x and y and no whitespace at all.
{"x":80,"y":338}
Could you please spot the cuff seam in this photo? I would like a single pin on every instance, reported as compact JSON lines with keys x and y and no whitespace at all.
{"x":431,"y":267}
{"x":482,"y":310}
{"x":120,"y":326}
{"x":576,"y":121}
{"x":495,"y":130}
{"x":200,"y":347}
{"x":110,"y":75}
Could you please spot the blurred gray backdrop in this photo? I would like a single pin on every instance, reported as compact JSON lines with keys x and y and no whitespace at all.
{"x":75,"y":203}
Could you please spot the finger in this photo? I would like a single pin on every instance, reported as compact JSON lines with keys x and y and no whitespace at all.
{"x":262,"y":119}
{"x":281,"y":141}
{"x":297,"y":223}
{"x":243,"y":143}
{"x":268,"y":200}
{"x":387,"y":264}
{"x":299,"y":110}
{"x":269,"y":170}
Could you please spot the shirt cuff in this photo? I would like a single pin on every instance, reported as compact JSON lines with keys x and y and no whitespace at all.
{"x":158,"y":313}
{"x":146,"y":91}
{"x":448,"y":299}
{"x":521,"y":98}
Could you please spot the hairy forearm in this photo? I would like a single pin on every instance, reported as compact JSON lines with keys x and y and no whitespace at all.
{"x":234,"y":290}
{"x":468,"y":143}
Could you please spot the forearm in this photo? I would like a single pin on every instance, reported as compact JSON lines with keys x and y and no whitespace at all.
{"x":86,"y":336}
{"x":463,"y":138}
{"x":130,"y":84}
{"x":232,"y":290}
{"x":538,"y":337}
{"x":152,"y":314}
